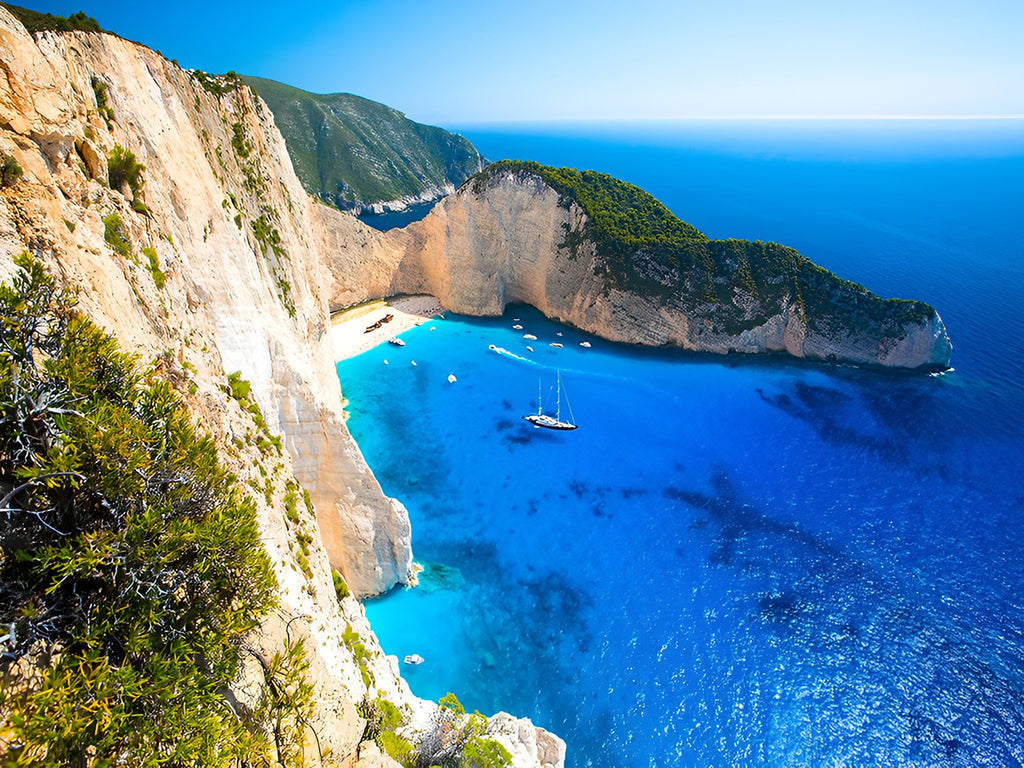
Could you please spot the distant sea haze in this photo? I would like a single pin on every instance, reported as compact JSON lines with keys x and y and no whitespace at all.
{"x":733,"y":561}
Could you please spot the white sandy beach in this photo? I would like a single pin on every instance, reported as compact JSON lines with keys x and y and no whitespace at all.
{"x":348,"y":327}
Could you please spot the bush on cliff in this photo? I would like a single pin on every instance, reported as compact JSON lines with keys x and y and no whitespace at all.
{"x":35,"y":21}
{"x":124,"y":169}
{"x":115,"y":235}
{"x":456,"y":740}
{"x":130,"y":565}
{"x":10,"y":170}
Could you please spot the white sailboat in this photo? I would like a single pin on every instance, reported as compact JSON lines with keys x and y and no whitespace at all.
{"x":546,"y":420}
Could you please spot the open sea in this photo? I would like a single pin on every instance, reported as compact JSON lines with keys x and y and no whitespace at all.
{"x":732,"y":561}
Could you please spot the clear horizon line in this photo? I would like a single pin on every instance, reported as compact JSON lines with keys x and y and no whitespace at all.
{"x":742,"y":117}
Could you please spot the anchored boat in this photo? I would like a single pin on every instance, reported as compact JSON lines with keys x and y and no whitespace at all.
{"x":546,"y":420}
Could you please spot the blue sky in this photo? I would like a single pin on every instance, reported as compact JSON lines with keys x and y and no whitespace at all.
{"x":457,"y":62}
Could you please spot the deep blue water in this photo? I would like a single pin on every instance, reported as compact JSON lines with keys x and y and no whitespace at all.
{"x":394,"y":219}
{"x":733,"y":561}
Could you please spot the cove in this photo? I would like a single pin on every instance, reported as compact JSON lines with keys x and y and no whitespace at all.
{"x":733,"y":561}
{"x":729,"y":561}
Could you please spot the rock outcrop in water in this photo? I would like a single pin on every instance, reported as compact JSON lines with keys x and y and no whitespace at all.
{"x":629,"y":271}
{"x":211,"y":260}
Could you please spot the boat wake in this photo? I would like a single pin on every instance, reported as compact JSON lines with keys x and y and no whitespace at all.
{"x":512,"y":355}
{"x":589,"y":374}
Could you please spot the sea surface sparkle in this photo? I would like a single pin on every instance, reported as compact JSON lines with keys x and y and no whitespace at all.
{"x":731,"y":561}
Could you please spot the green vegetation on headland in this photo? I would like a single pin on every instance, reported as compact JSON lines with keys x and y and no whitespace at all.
{"x":35,"y":21}
{"x":623,"y":217}
{"x":643,"y":248}
{"x":453,"y":739}
{"x":130,"y":565}
{"x":350,"y":151}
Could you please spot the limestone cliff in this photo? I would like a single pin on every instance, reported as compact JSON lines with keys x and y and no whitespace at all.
{"x":212,"y":213}
{"x":509,"y":235}
{"x":211,"y":261}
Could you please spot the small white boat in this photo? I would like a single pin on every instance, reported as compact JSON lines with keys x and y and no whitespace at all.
{"x":386,"y":363}
{"x":558,"y":334}
{"x":529,"y":347}
{"x":556,"y":345}
{"x":451,"y":378}
{"x":396,"y":341}
{"x":529,"y":336}
{"x":585,"y":344}
{"x":413,"y":659}
{"x":517,"y":327}
{"x":413,"y":363}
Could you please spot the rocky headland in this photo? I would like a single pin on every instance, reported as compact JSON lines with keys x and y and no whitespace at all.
{"x":606,"y":257}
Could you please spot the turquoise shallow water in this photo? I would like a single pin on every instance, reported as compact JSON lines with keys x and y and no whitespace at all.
{"x":731,"y":561}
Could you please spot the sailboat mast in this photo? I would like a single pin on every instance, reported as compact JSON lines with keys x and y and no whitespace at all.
{"x":539,"y":403}
{"x":558,"y":412}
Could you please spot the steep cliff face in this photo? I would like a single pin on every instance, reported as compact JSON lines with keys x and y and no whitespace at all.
{"x":230,"y":228}
{"x":509,"y":236}
{"x":207,"y":262}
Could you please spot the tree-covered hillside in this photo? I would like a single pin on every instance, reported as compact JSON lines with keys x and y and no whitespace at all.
{"x":350,"y":151}
{"x":35,"y":21}
{"x":644,"y":248}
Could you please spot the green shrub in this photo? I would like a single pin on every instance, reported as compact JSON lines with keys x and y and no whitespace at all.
{"x":285,"y":706}
{"x":382,"y":719}
{"x":128,"y":548}
{"x":240,"y":388}
{"x":340,"y":586}
{"x":242,"y":146}
{"x":154,"y":267}
{"x":10,"y":170}
{"x":35,"y":21}
{"x":291,"y":505}
{"x":218,"y":85}
{"x":455,"y":740}
{"x":398,"y":749}
{"x":123,"y":169}
{"x":351,"y":639}
{"x":267,"y":236}
{"x":99,"y":89}
{"x":485,"y":753}
{"x":115,"y":235}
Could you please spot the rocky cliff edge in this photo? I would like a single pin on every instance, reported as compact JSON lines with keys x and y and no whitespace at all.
{"x":509,"y":235}
{"x":208,"y":262}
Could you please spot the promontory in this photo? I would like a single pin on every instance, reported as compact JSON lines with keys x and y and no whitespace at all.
{"x":606,"y":257}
